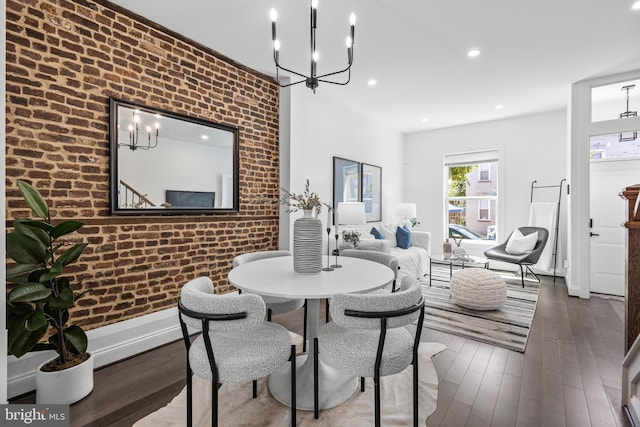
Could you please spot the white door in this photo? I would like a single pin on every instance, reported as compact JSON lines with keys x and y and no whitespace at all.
{"x":607,"y":213}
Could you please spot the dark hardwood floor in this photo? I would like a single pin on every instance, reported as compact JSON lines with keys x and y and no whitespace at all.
{"x":569,"y":375}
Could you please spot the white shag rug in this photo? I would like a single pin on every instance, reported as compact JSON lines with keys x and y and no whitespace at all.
{"x":238,"y":408}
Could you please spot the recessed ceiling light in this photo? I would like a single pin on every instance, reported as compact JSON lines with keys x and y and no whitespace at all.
{"x":372,"y":82}
{"x":424,"y":120}
{"x":204,"y":137}
{"x":636,"y":6}
{"x":473,"y":53}
{"x":499,"y":107}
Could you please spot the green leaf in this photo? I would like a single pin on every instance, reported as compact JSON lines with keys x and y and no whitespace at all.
{"x":37,"y":320}
{"x":17,"y":273}
{"x":34,"y":199}
{"x":39,"y":230}
{"x":28,"y":292}
{"x":65,"y":300}
{"x":25,"y":250}
{"x":72,"y":253}
{"x":76,"y":339}
{"x":24,"y":340}
{"x":83,"y":293}
{"x":54,"y":341}
{"x":33,"y":224}
{"x":54,"y":271}
{"x":66,"y":228}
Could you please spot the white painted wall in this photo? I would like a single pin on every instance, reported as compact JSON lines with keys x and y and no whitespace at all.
{"x":322,"y":128}
{"x":530,"y":148}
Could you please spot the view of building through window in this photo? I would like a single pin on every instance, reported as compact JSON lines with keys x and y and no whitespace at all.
{"x":610,"y":147}
{"x":472,"y":196}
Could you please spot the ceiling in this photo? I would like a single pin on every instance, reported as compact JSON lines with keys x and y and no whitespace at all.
{"x":416,"y":50}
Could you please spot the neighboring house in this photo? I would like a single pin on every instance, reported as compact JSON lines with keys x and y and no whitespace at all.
{"x":482,"y":181}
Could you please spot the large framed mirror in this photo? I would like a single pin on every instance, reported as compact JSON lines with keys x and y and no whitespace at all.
{"x":163,"y":163}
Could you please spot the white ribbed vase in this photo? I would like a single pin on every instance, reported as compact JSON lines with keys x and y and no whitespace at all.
{"x":307,"y":244}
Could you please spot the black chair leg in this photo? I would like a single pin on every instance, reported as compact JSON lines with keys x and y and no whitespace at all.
{"x":376,"y":384}
{"x":361,"y":383}
{"x":304,"y":329}
{"x":326,"y":312}
{"x":255,"y":388}
{"x":189,"y":397}
{"x":316,"y":414}
{"x":415,"y":393}
{"x":269,"y":315}
{"x":521,"y":274}
{"x":214,"y":404}
{"x":293,"y":385}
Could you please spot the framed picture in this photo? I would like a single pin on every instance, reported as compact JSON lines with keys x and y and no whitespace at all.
{"x":346,"y":181}
{"x":372,"y":192}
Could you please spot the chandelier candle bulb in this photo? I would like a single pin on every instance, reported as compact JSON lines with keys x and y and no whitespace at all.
{"x":314,"y":13}
{"x":352,"y":30}
{"x":312,"y":81}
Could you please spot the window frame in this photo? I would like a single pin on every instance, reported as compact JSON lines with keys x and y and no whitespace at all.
{"x":470,"y":159}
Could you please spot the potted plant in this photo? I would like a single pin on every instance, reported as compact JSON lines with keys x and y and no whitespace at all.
{"x":307,"y":201}
{"x":39,"y":300}
{"x":352,"y":237}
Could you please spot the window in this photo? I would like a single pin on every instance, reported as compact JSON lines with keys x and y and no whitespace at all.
{"x":484,"y":172}
{"x":471,"y":194}
{"x":484,"y":210}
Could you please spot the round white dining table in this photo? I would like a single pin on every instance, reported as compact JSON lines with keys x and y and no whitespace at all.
{"x":275,"y":277}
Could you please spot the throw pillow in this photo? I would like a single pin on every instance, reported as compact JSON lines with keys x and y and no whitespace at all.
{"x":389,"y":234}
{"x":403,"y":236}
{"x":520,"y":244}
{"x":377,"y":234}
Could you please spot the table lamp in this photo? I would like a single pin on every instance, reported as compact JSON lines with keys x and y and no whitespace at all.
{"x":406,"y":210}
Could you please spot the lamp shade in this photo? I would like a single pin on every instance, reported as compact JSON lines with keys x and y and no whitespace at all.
{"x":406,"y":210}
{"x":351,"y":213}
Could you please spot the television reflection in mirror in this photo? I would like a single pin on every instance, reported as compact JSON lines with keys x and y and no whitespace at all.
{"x":164,"y":163}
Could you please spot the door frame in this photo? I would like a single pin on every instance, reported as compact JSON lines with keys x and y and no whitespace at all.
{"x":580,"y":129}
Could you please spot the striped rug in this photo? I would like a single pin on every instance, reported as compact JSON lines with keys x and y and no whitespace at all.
{"x":506,"y":327}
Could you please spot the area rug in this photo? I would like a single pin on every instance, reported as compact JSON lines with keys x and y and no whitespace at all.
{"x":238,"y":408}
{"x":506,"y":327}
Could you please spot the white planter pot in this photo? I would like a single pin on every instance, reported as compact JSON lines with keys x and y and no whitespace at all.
{"x":64,"y":387}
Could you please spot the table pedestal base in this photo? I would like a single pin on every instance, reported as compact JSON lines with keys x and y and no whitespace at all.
{"x":334,"y":387}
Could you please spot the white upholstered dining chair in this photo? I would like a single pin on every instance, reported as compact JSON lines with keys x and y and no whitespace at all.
{"x":235,"y":344}
{"x":276,"y":305}
{"x":389,"y":260}
{"x":367,"y":337}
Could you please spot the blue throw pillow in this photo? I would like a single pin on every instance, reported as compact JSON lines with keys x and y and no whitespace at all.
{"x":377,"y":234}
{"x":404,"y":238}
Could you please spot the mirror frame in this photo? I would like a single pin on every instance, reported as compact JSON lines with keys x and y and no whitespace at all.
{"x":114,"y":103}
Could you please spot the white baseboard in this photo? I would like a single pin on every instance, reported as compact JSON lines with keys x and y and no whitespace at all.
{"x":108,"y":344}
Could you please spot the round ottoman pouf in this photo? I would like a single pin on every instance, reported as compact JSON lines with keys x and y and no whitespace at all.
{"x":478,"y":289}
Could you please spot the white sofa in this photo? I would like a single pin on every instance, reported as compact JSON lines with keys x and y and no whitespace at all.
{"x":413,"y":261}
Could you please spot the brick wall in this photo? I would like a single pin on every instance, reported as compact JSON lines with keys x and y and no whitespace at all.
{"x":64,"y":60}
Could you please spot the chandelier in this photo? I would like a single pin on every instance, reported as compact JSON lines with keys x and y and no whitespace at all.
{"x":629,"y":136}
{"x":313,"y":79}
{"x":134,"y":134}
